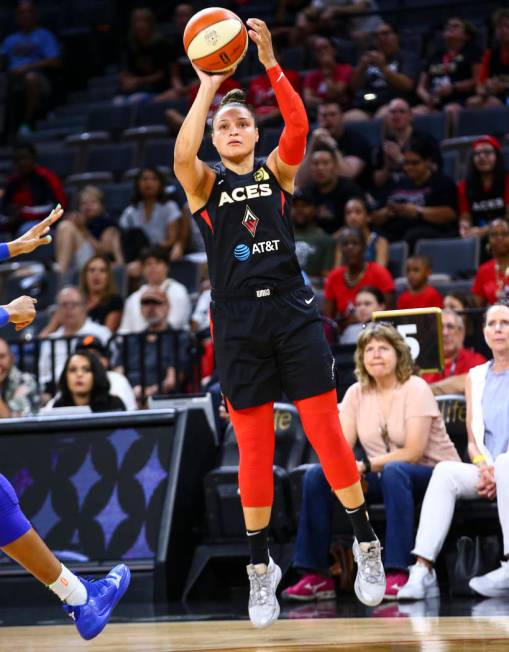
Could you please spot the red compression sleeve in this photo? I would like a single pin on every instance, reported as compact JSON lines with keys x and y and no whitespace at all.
{"x":292,"y":144}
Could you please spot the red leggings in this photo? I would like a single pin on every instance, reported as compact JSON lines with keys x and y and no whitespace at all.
{"x":254,"y":429}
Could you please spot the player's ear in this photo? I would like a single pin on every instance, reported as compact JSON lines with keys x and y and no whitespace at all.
{"x":257,"y":134}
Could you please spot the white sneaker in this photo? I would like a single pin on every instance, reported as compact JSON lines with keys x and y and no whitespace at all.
{"x":422,"y":583}
{"x":494,"y":584}
{"x":263,"y":604}
{"x":370,"y":579}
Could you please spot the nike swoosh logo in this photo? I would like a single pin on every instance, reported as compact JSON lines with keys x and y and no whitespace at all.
{"x":314,"y":587}
{"x":308,"y":301}
{"x":220,"y":182}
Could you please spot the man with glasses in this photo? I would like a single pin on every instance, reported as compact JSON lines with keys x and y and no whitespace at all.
{"x":382,"y":74}
{"x":458,"y":359}
{"x":74,"y":321}
{"x":398,"y":132}
{"x":422,"y":204}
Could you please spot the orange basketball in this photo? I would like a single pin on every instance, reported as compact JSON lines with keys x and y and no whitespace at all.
{"x":215,"y":40}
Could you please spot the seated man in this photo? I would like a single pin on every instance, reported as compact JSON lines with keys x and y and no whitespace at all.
{"x":155,"y":267}
{"x":458,"y":359}
{"x":151,"y":360}
{"x":19,"y":394}
{"x":31,"y":55}
{"x":72,"y":312}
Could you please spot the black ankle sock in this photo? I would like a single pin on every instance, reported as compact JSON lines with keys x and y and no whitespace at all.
{"x":360,"y":524}
{"x":258,"y":545}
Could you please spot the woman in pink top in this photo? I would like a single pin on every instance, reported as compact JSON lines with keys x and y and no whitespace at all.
{"x":394,"y":416}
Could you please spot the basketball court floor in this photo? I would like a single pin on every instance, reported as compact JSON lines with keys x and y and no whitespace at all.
{"x":449,"y":625}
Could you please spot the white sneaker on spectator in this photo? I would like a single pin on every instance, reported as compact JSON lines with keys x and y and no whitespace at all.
{"x":263,"y":604}
{"x":422,"y":583}
{"x":370,"y":579}
{"x":494,"y":584}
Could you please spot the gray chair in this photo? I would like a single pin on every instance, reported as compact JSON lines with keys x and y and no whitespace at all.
{"x":398,"y":253}
{"x":493,"y":121}
{"x":458,"y":257}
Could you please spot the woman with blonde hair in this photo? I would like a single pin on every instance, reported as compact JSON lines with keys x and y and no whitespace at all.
{"x":393,"y":414}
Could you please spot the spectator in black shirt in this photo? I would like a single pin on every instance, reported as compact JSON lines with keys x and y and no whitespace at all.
{"x":484,"y":193}
{"x":422,"y":204}
{"x":353,"y":152}
{"x":147,"y":70}
{"x":383,"y":74}
{"x":493,"y":82}
{"x":398,"y":131}
{"x":182,"y":75}
{"x":450,"y":73}
{"x":329,"y":191}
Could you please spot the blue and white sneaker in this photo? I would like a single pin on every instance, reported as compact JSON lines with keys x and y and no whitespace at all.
{"x":103,"y":595}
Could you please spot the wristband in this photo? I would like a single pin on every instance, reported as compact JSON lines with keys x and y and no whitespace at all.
{"x":477,"y":459}
{"x":4,"y":316}
{"x":4,"y":251}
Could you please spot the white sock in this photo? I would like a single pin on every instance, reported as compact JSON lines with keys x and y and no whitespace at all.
{"x":69,"y":589}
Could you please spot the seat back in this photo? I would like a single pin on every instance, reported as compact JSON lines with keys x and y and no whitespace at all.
{"x":493,"y":121}
{"x":398,"y":253}
{"x":458,"y":257}
{"x":453,"y":408}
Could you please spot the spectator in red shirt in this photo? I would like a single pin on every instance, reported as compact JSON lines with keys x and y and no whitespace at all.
{"x":331,"y":81}
{"x":420,"y":294}
{"x":458,"y":359}
{"x":493,"y":81}
{"x":484,"y":193}
{"x":491,"y":283}
{"x":261,"y":98}
{"x":31,"y":192}
{"x":343,"y":283}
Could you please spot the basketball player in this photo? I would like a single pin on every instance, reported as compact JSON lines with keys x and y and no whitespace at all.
{"x":267,"y":329}
{"x":89,"y":603}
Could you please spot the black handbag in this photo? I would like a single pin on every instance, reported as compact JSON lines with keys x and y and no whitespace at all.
{"x":473,"y":557}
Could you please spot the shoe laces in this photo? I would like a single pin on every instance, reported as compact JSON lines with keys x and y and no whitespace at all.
{"x":260,"y":587}
{"x":370,"y":566}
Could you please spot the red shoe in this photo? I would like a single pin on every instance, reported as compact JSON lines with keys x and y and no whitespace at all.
{"x":393,"y":583}
{"x":311,"y":587}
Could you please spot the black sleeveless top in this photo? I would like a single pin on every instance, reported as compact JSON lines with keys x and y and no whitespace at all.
{"x":247,"y":229}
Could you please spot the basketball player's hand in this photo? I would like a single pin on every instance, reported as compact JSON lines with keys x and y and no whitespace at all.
{"x":38,"y":235}
{"x":213,"y":82}
{"x":259,"y":34}
{"x":21,"y":311}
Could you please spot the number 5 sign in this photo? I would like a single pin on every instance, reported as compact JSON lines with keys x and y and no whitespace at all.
{"x":422,"y":330}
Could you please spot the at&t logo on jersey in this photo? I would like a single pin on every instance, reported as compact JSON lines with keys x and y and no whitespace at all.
{"x":245,"y":192}
{"x":242,"y":251}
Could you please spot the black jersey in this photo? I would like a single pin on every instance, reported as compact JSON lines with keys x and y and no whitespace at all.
{"x":247,"y":229}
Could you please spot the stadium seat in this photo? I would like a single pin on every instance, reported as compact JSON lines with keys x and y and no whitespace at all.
{"x":187,"y":273}
{"x":454,"y":412}
{"x":207,"y":151}
{"x":81,"y":142}
{"x":152,"y":113}
{"x":451,"y":167}
{"x":140,"y":136}
{"x":117,"y":196}
{"x":458,"y":257}
{"x":434,"y":124}
{"x":89,"y":178}
{"x":493,"y":121}
{"x":115,"y":158}
{"x":268,"y":140}
{"x":114,"y":119}
{"x":62,"y":162}
{"x":158,"y":152}
{"x":370,"y":130}
{"x":398,"y":252}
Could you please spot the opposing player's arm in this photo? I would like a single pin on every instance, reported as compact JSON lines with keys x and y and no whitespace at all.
{"x":285,"y":160}
{"x":20,"y":311}
{"x":35,"y":237}
{"x":195,"y":176}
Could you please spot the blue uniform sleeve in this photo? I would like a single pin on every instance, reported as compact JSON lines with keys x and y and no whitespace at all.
{"x":4,"y":316}
{"x":4,"y":251}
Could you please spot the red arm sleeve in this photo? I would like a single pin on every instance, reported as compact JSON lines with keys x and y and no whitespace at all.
{"x":484,"y":70}
{"x":462,"y":197}
{"x":292,"y":143}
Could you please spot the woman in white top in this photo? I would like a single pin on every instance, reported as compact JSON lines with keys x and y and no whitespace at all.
{"x":487,"y":476}
{"x":151,"y":219}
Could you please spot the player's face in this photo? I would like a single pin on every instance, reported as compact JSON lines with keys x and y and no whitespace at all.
{"x":355,"y":214}
{"x":452,"y":335}
{"x":380,"y":359}
{"x":365,"y":305}
{"x":417,"y":273}
{"x":235,"y":134}
{"x":496,"y":331}
{"x":80,"y":379}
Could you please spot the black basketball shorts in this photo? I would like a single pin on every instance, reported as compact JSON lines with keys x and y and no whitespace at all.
{"x":270,"y":344}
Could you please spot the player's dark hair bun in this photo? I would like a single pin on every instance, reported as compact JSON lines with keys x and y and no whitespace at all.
{"x":235,"y":96}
